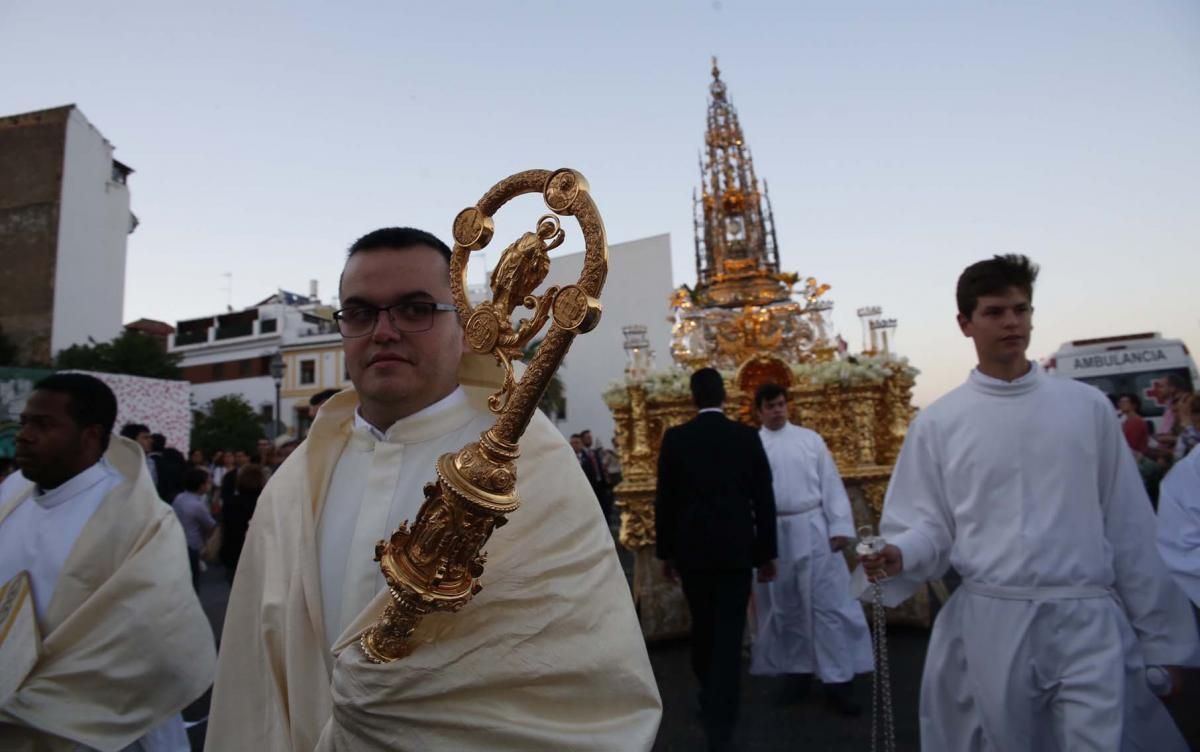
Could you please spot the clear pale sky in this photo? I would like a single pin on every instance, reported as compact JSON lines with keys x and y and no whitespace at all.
{"x":901,"y":140}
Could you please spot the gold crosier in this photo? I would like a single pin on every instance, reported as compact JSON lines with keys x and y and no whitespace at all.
{"x":435,"y":563}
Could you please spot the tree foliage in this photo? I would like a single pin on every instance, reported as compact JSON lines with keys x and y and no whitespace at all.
{"x":228,"y":422}
{"x":131,"y":353}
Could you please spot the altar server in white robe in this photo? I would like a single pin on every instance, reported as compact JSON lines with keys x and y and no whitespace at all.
{"x":1179,"y":523}
{"x":549,"y":656}
{"x":807,"y":621}
{"x":125,"y":644}
{"x":1023,"y":483}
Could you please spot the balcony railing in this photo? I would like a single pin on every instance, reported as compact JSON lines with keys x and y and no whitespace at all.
{"x":192,"y":337}
{"x":229,"y":331}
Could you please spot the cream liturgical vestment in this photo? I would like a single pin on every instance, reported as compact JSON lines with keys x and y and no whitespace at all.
{"x":807,"y":621}
{"x":548,"y":656}
{"x":1029,"y":490}
{"x":125,"y":643}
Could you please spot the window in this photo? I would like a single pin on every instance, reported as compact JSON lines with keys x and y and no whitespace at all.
{"x":308,"y":372}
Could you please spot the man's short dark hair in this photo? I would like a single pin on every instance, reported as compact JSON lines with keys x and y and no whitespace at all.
{"x":158,"y":442}
{"x":400,"y":239}
{"x":133,"y":430}
{"x":575,"y":436}
{"x":321,"y":397}
{"x":89,"y":401}
{"x":193,"y":479}
{"x":767,"y":392}
{"x":708,"y":388}
{"x":993,"y":277}
{"x":1133,"y":400}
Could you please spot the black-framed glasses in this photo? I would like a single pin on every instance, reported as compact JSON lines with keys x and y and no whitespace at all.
{"x":408,"y":316}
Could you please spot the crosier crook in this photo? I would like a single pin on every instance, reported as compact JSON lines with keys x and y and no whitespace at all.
{"x":435,"y":563}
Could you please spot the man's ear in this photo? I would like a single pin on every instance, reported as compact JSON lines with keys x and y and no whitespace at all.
{"x":964,"y":325}
{"x":95,"y":433}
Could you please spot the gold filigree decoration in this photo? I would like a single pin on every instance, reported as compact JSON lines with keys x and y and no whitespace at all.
{"x":435,"y":563}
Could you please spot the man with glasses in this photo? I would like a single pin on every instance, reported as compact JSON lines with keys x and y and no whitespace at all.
{"x":521,"y":667}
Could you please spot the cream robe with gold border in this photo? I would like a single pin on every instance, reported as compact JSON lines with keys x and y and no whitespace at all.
{"x":548,"y":656}
{"x":126,"y":643}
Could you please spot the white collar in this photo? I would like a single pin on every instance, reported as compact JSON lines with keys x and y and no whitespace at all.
{"x":711,"y":410}
{"x":74,"y":487}
{"x":455,"y":400}
{"x":1024,"y":383}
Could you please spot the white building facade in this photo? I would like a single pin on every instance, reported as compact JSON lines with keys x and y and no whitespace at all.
{"x":94,"y":223}
{"x":230,"y":353}
{"x":637,"y":291}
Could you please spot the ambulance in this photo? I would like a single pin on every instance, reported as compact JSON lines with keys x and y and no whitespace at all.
{"x":1130,"y":363}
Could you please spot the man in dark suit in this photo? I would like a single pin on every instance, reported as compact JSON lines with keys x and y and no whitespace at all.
{"x":715,"y":522}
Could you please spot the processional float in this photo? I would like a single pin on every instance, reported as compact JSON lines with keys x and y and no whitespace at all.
{"x":755,"y":324}
{"x":434,"y":563}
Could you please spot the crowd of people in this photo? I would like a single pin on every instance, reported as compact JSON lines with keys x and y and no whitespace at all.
{"x":1073,"y":613}
{"x":1158,"y":447}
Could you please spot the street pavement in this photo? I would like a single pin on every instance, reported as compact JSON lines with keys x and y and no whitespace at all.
{"x":773,"y":718}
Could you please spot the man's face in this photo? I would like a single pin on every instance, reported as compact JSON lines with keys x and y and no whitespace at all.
{"x":586,"y":438}
{"x":1125,"y":405}
{"x":241,"y":458}
{"x":1000,"y":326}
{"x":390,"y":367}
{"x":146,"y":442}
{"x":50,"y":447}
{"x":264,"y":449}
{"x":774,"y":412}
{"x":576,"y":444}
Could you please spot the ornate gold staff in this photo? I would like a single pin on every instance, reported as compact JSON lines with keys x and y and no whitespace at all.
{"x":435,"y":564}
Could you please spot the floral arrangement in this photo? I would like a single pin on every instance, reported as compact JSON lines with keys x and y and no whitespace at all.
{"x":854,"y":370}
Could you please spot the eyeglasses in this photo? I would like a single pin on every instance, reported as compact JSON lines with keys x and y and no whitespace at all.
{"x":409,"y":316}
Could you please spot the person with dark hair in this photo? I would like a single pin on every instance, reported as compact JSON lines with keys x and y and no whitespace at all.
{"x":284,"y":451}
{"x":1174,"y":388}
{"x":1133,"y":426}
{"x":554,"y":580}
{"x":236,"y":515}
{"x":807,"y":622}
{"x":318,"y":399}
{"x":86,"y":527}
{"x":140,"y":433}
{"x":171,"y":466}
{"x":593,"y":460}
{"x":1067,"y":618}
{"x":715,"y":522}
{"x":191,"y":506}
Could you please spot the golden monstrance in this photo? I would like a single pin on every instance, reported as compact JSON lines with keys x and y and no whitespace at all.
{"x":435,"y":563}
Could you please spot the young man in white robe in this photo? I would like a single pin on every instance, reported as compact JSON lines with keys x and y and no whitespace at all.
{"x":125,"y":644}
{"x":807,"y":621}
{"x":1023,"y":482}
{"x":549,"y":656}
{"x":1179,"y":523}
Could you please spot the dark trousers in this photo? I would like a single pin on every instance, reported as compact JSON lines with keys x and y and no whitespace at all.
{"x":194,"y":563}
{"x":717,"y":601}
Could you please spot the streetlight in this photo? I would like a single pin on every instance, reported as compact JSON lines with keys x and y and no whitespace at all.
{"x":277,"y":369}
